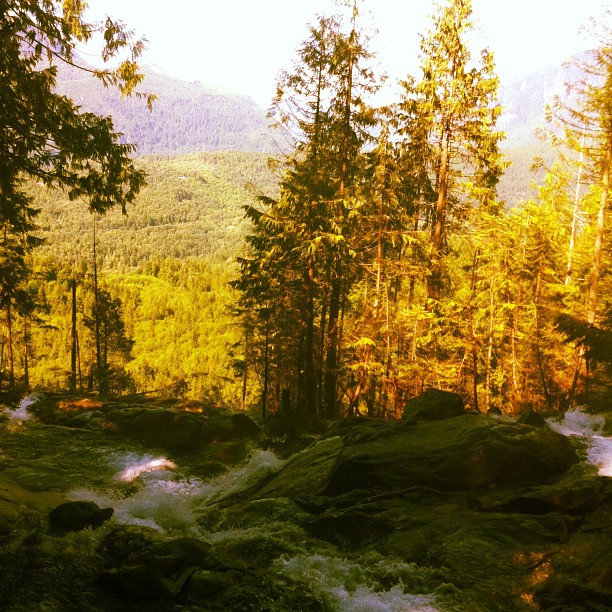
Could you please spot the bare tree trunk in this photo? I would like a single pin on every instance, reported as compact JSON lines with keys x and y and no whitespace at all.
{"x":26,"y":351}
{"x":264,"y":399}
{"x":74,"y":348}
{"x":489,"y":352}
{"x":9,"y":346}
{"x":575,"y":215}
{"x":473,"y":337}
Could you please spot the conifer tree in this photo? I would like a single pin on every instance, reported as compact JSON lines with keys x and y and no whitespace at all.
{"x":302,"y":242}
{"x":455,"y":101}
{"x":44,"y":135}
{"x":587,"y":129}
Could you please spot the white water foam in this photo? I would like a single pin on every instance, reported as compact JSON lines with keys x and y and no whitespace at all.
{"x":349,"y":587}
{"x":260,"y":464}
{"x":21,"y":414}
{"x":138,"y":466}
{"x":588,"y":426}
{"x":160,"y":498}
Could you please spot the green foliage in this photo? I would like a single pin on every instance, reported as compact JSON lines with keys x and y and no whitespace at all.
{"x":333,"y":286}
{"x":46,"y":137}
{"x":190,"y":207}
{"x":164,"y":272}
{"x":454,"y":108}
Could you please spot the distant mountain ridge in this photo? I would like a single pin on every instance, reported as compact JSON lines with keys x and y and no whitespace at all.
{"x":190,"y":117}
{"x":525,"y":97}
{"x":187,"y":117}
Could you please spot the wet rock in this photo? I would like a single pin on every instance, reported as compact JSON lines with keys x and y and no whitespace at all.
{"x":433,"y":405}
{"x":349,"y":528}
{"x":66,"y":410}
{"x":182,"y":431}
{"x":258,"y":592}
{"x":243,"y":426}
{"x":535,"y":419}
{"x":459,"y":454}
{"x":569,"y":594}
{"x":78,"y":515}
{"x":574,"y":495}
{"x":145,"y":563}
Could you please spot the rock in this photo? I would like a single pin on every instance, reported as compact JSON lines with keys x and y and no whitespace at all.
{"x":535,"y":419}
{"x":243,"y":426}
{"x":78,"y":515}
{"x":460,"y":454}
{"x":182,"y":431}
{"x":433,"y":405}
{"x":145,"y":563}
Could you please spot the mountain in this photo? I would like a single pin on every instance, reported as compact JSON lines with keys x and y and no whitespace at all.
{"x":187,"y":117}
{"x":525,"y":97}
{"x":191,"y":117}
{"x":524,"y":100}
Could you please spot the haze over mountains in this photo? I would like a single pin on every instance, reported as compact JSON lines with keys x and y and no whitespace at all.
{"x":192,"y":117}
{"x":187,"y":117}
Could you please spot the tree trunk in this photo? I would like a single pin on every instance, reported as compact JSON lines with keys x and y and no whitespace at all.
{"x":26,"y":345}
{"x":9,"y":346}
{"x":264,"y":398}
{"x":575,"y":215}
{"x":309,"y":366}
{"x":599,"y":238}
{"x":434,"y":286}
{"x":74,"y":347}
{"x":473,"y":337}
{"x":331,"y":360}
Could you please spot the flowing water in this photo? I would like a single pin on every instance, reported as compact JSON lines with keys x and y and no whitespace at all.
{"x":588,"y":427}
{"x":161,"y":492}
{"x":164,"y":493}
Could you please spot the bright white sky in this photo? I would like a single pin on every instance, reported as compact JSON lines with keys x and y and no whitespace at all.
{"x":243,"y":44}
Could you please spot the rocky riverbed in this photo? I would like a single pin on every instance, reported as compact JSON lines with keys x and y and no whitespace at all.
{"x":162,"y":505}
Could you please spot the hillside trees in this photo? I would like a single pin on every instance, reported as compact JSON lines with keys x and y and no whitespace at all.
{"x":45,"y":136}
{"x":359,"y":191}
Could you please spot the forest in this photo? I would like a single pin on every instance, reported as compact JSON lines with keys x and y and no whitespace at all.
{"x":389,"y":250}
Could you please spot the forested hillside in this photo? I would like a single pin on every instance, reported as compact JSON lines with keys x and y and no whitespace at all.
{"x":163,"y":270}
{"x":186,"y":117}
{"x":169,"y":261}
{"x":191,"y":206}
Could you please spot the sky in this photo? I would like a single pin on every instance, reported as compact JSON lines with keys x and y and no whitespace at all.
{"x":242,"y":45}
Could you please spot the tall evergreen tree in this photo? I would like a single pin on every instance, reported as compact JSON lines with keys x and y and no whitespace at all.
{"x":586,"y":124}
{"x":302,"y":242}
{"x":456,"y":102}
{"x":44,"y":135}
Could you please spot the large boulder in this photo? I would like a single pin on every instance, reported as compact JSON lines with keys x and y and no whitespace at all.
{"x":177,"y":430}
{"x":459,"y":454}
{"x":433,"y":405}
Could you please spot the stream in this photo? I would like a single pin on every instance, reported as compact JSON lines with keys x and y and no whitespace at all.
{"x":588,"y":427}
{"x":55,"y":463}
